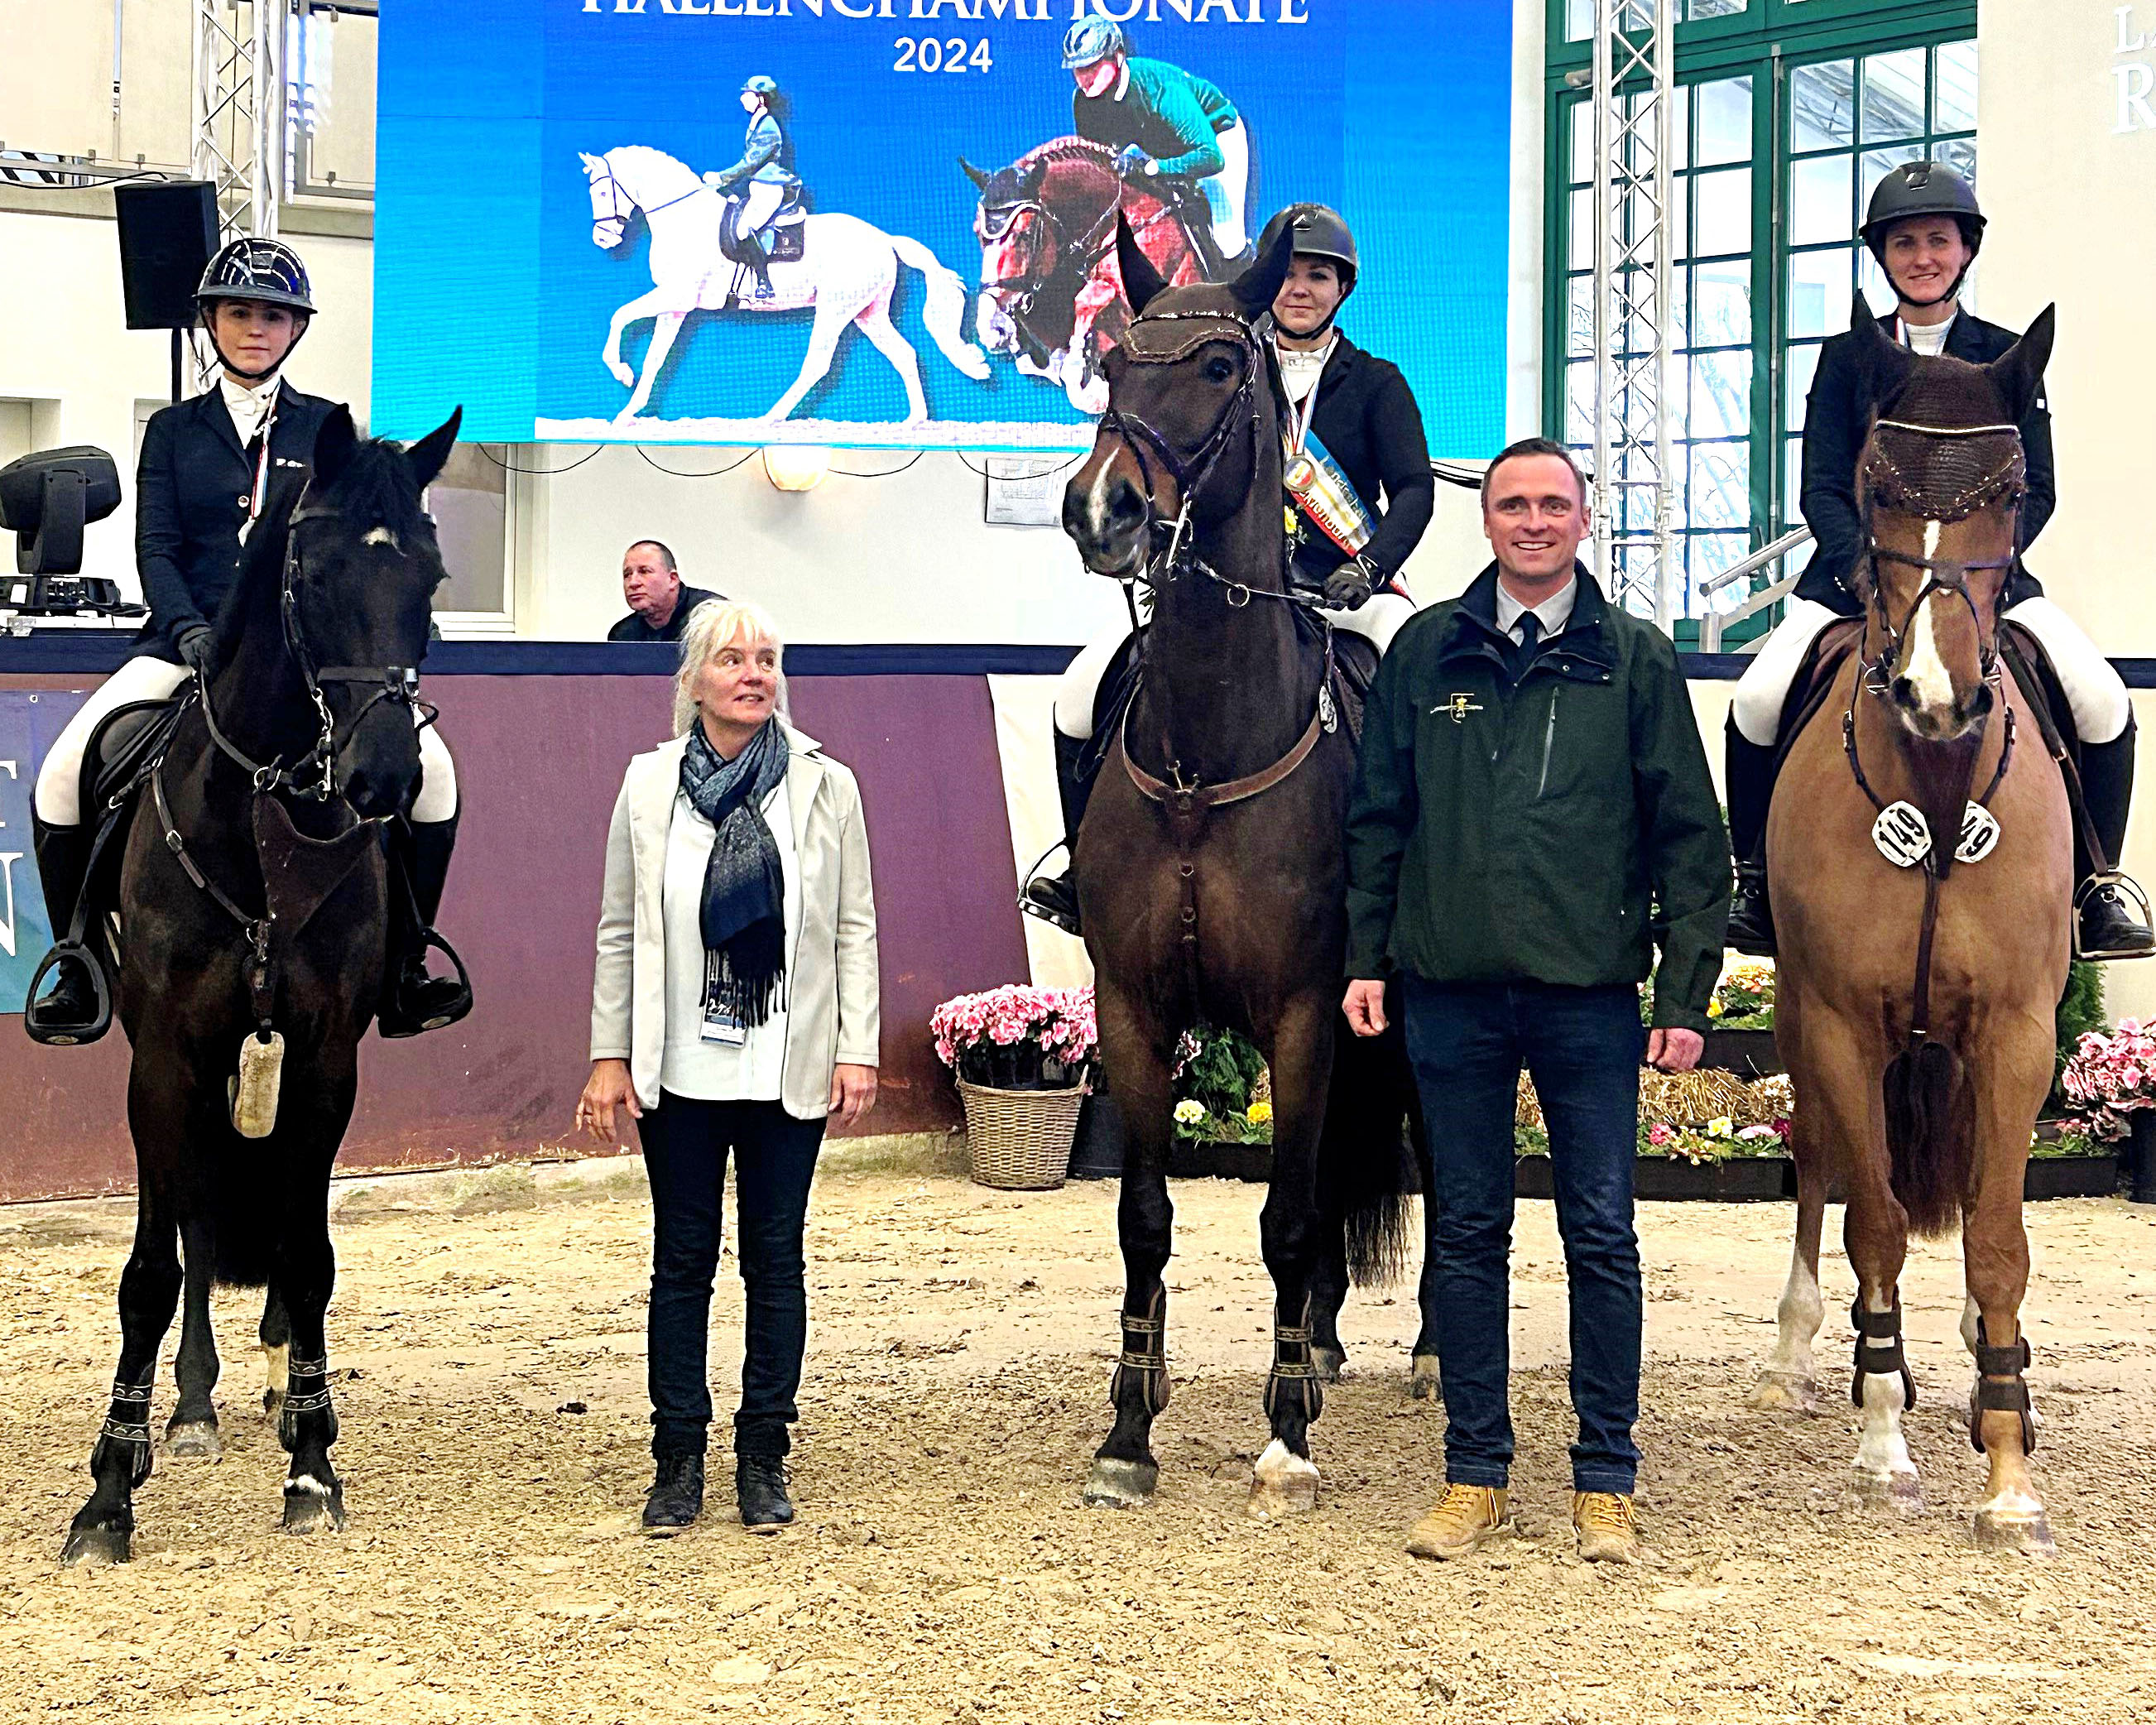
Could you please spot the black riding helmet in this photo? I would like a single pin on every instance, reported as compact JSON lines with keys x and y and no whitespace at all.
{"x":1320,"y":232}
{"x":266,"y":272}
{"x":1922,"y":188}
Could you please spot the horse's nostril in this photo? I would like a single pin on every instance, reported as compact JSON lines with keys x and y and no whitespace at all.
{"x":1125,"y":506}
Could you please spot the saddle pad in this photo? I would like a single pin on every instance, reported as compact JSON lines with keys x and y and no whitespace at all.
{"x":125,"y":740}
{"x":1831,"y":649}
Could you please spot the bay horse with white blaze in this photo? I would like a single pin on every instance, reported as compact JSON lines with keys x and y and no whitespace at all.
{"x":1921,"y":858}
{"x":1210,"y":867}
{"x":253,"y":905}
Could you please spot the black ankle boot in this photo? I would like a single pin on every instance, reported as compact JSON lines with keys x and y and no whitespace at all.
{"x":676,"y":1497}
{"x":414,"y":1001}
{"x":2110,"y":921}
{"x":1052,"y":897}
{"x":75,"y":1007}
{"x":1749,"y":775}
{"x":760,"y":1485}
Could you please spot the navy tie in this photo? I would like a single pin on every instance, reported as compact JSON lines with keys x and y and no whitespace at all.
{"x":1531,"y":639}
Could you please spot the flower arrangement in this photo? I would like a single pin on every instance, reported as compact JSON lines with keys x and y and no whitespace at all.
{"x":1717,"y":1140}
{"x":1699,"y":1116}
{"x":1221,"y":1088}
{"x":1017,"y":1037}
{"x":1744,"y":999}
{"x":2113,"y":1075}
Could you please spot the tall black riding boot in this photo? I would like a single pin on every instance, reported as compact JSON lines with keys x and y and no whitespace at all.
{"x":2113,"y":920}
{"x":757,"y":256}
{"x":75,"y":1009}
{"x":1748,"y":774}
{"x":418,"y":868}
{"x":1051,"y":897}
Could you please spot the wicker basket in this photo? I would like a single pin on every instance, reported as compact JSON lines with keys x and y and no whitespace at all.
{"x":1020,"y":1139}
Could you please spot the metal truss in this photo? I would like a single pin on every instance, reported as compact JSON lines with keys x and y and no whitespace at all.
{"x":238,"y":100}
{"x":1635,"y":97}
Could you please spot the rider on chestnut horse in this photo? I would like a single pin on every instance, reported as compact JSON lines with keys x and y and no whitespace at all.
{"x":1924,"y":227}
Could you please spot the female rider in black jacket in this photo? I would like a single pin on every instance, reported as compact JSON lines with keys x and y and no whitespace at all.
{"x":205,"y":473}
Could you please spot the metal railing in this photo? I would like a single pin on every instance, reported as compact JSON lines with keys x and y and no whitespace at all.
{"x":1711,"y":625}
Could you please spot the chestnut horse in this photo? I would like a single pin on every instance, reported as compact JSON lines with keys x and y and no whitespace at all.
{"x":1210,"y":865}
{"x":1051,"y":292}
{"x":1923,"y":948}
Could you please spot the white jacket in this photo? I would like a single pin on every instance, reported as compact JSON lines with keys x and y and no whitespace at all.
{"x":832,"y":1009}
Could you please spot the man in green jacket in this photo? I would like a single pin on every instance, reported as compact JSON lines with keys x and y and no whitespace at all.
{"x":1532,"y":816}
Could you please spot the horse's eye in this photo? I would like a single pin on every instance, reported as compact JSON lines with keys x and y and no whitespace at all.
{"x":1219,"y":370}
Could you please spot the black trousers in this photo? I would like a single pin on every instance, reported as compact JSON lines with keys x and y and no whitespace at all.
{"x":685,"y":1146}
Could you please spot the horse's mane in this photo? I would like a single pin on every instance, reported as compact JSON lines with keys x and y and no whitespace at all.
{"x":1071,"y":148}
{"x":376,"y":489}
{"x":631,"y":157}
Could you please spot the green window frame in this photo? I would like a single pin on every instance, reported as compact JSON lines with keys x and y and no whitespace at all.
{"x":1752,"y":263}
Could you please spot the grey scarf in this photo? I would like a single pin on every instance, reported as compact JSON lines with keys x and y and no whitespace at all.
{"x":743,"y":913}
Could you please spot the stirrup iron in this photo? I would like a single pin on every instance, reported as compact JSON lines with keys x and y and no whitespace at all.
{"x":2137,"y":900}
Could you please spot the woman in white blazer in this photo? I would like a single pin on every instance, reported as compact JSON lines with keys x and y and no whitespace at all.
{"x":734,"y":1010}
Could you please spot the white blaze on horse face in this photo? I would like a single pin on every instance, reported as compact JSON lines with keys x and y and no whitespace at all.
{"x":380,"y":536}
{"x":1929,"y":679}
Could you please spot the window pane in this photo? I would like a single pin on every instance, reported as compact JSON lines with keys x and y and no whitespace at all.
{"x":1579,"y":401}
{"x":1953,"y":93}
{"x":1722,"y":207}
{"x":1715,"y":9}
{"x":1724,"y":133}
{"x":1582,"y":218}
{"x":1821,"y":105}
{"x":1710,"y":554}
{"x":1959,"y":154}
{"x":1579,"y":20}
{"x":1580,"y":315}
{"x":1580,"y":117}
{"x":469,"y":500}
{"x":1722,"y":304}
{"x":1721,"y":395}
{"x":1872,"y":282}
{"x":1798,"y":366}
{"x":1720,"y":486}
{"x":1793,"y":486}
{"x":1821,"y":200}
{"x":1819,"y":286}
{"x":1894,"y":95}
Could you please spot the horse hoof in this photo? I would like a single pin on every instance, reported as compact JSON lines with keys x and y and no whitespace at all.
{"x":312,"y":1507}
{"x":95,"y":1548}
{"x":1784,"y":1392}
{"x":1902,"y":1492}
{"x":1282,"y":1484}
{"x":1328,"y":1362}
{"x":1117,"y":1484}
{"x":2022,"y":1531}
{"x":196,"y":1440}
{"x":1425,"y":1382}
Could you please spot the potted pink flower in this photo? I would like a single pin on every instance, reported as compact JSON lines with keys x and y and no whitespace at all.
{"x":2113,"y":1075}
{"x":1021,"y":1056}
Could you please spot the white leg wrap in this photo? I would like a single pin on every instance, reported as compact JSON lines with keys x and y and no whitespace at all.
{"x":437,"y":800}
{"x":58,"y":796}
{"x":1080,"y":686}
{"x":2095,"y":692}
{"x":1225,"y":192}
{"x":1757,"y":702}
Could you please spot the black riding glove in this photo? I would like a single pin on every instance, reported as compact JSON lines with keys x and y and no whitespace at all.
{"x":1349,"y":587}
{"x":193,"y":647}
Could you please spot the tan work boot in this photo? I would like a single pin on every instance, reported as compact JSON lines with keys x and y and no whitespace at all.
{"x":1460,"y":1522}
{"x":1609,"y":1532}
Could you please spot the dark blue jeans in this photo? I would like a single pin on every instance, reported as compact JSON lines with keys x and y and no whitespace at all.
{"x":1582,"y":1046}
{"x":685,"y":1146}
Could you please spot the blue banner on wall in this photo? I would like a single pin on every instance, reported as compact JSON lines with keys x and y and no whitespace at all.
{"x":28,"y":726}
{"x":564,"y":187}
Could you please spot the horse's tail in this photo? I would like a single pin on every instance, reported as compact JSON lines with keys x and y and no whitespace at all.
{"x":944,"y":313}
{"x":243,"y":1193}
{"x":1931,"y":1135}
{"x":1367,"y":1157}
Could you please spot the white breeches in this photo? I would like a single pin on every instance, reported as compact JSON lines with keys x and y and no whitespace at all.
{"x":1378,"y":620}
{"x":762,"y":204}
{"x":58,"y":796}
{"x":1227,"y":191}
{"x":2094,"y":689}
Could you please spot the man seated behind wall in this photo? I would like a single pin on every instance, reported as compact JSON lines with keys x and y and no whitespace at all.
{"x":659,"y":603}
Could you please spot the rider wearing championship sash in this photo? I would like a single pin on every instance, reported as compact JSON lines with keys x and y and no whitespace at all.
{"x":763,"y":179}
{"x":205,"y":474}
{"x":1925,"y":229}
{"x":1359,"y":487}
{"x":1360,"y":493}
{"x":1165,"y":125}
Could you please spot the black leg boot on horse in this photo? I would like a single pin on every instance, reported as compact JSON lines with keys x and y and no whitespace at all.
{"x":415,"y":1001}
{"x":77,"y":1007}
{"x":1052,"y":897}
{"x":2111,"y":914}
{"x":1748,"y":779}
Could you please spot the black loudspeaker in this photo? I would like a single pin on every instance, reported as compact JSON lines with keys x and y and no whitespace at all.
{"x":167,"y":236}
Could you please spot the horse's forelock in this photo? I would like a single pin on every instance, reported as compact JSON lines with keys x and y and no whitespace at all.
{"x":376,"y":490}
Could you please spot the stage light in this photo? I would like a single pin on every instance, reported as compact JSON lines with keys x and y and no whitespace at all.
{"x":795,"y":467}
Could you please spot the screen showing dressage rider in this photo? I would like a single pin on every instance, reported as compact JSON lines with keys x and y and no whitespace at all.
{"x":763,"y":179}
{"x":1924,"y":227}
{"x":1170,"y":130}
{"x":208,"y":469}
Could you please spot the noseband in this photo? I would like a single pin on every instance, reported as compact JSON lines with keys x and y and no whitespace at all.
{"x":2005,"y":480}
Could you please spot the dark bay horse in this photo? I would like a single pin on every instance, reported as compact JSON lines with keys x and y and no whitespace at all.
{"x":1209,"y":867}
{"x":1051,"y":291}
{"x":253,"y":909}
{"x":1915,"y":1011}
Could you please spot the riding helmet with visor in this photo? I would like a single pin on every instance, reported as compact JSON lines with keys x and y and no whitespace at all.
{"x":1090,"y":40}
{"x":1320,"y":232}
{"x":762,"y":86}
{"x":1923,"y":188}
{"x":262,"y":272}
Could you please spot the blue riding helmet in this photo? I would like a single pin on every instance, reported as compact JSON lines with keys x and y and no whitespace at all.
{"x":1091,"y":39}
{"x":760,"y":85}
{"x":266,"y":271}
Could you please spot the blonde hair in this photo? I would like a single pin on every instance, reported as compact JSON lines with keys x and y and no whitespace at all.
{"x":713,"y":624}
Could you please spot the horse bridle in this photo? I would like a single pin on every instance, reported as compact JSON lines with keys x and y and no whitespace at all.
{"x":1941,"y":574}
{"x":996,"y":222}
{"x":625,"y":207}
{"x":314,"y":774}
